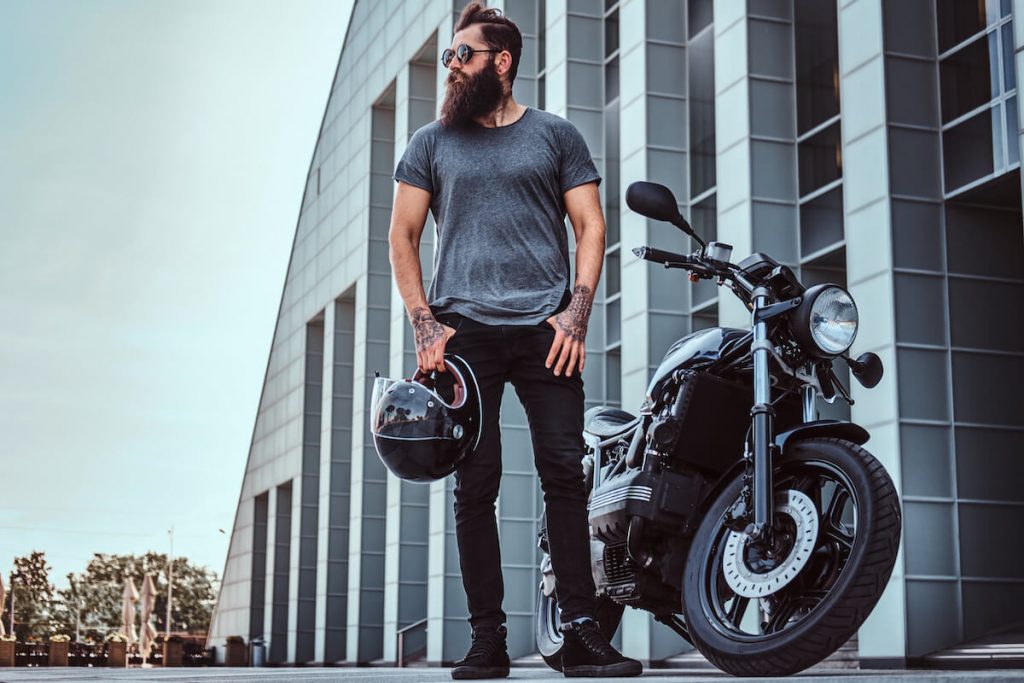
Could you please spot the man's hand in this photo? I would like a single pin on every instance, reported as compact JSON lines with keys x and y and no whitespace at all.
{"x":569,"y":345}
{"x":431,"y":337}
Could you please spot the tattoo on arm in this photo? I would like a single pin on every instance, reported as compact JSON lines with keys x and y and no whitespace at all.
{"x":425,"y":328}
{"x":573,"y":320}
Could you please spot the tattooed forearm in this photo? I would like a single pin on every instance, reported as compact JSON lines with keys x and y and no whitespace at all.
{"x":574,"y":319}
{"x":425,"y":328}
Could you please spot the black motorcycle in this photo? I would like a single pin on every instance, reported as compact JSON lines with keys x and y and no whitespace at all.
{"x":757,"y":532}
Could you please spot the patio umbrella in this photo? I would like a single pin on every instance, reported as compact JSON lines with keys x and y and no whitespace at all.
{"x":3,"y":594}
{"x":129,"y":597}
{"x":147,"y":602}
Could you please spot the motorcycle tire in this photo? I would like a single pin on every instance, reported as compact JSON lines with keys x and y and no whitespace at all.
{"x":547,"y":623}
{"x":852,"y":564}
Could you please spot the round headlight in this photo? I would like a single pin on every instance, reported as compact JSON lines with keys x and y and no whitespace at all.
{"x":833,"y":320}
{"x":825,"y":323}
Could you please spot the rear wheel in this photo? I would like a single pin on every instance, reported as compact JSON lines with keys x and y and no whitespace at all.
{"x":777,"y":610}
{"x":547,"y":618}
{"x":548,"y":621}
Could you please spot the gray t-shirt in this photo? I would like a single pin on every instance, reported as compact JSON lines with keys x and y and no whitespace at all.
{"x":502,"y":252}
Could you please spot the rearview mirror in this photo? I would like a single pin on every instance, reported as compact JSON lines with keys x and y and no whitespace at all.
{"x":867,"y":369}
{"x":652,"y":200}
{"x":657,"y":202}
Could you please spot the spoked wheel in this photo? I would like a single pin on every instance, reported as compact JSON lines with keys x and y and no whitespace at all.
{"x":757,"y":609}
{"x":548,"y":622}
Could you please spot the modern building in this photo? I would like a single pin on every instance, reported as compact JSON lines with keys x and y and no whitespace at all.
{"x":873,"y":143}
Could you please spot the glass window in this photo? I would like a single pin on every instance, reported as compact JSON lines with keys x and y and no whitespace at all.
{"x":611,"y":80}
{"x":820,"y":159}
{"x":611,"y":33}
{"x":704,"y":219}
{"x":992,"y":10}
{"x":612,"y":224}
{"x":705,"y":319}
{"x":702,"y":113}
{"x":829,"y":267}
{"x":1012,"y":133}
{"x":967,"y":151}
{"x":613,"y":322}
{"x":998,"y":128}
{"x":611,"y":172}
{"x":817,"y":64}
{"x":613,"y":376}
{"x":611,"y":273}
{"x":542,"y":30}
{"x":958,"y":20}
{"x":965,"y":79}
{"x":1009,"y":70}
{"x":699,"y":16}
{"x":821,"y":222}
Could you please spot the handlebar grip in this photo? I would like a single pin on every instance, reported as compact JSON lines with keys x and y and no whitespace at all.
{"x":660,"y":256}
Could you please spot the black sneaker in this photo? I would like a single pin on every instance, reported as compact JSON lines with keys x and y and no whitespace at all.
{"x":487,"y":657}
{"x":586,"y":652}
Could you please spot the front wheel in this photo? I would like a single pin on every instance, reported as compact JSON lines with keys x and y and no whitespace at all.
{"x":775,"y":610}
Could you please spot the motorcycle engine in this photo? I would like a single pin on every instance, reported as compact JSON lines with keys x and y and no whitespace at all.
{"x":666,"y":500}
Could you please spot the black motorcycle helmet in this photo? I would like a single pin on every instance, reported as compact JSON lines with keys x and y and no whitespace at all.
{"x":422,"y":431}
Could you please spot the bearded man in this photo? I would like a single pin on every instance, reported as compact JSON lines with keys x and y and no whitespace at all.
{"x":499,"y":179}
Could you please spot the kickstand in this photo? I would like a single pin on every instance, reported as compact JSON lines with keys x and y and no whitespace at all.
{"x":676,"y":624}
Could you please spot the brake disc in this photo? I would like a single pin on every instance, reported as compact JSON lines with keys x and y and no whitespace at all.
{"x":749,"y":584}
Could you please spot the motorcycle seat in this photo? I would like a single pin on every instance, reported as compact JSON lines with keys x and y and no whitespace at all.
{"x":608,"y":422}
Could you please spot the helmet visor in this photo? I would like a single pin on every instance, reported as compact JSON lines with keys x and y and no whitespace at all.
{"x":380,"y":386}
{"x":407,"y":409}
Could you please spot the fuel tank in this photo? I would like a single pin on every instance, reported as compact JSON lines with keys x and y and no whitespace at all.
{"x":692,"y":351}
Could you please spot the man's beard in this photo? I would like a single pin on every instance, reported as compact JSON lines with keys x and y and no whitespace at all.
{"x":467,"y":99}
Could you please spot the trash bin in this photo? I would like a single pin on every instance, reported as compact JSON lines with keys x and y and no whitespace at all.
{"x":235,"y":652}
{"x":257,"y":652}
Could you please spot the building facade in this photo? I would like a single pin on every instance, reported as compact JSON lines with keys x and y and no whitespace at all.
{"x":872,"y":143}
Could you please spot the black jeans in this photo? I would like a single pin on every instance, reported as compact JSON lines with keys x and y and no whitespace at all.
{"x":554,"y":408}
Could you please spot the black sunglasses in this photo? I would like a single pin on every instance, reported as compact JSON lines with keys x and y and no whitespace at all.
{"x":463,"y":52}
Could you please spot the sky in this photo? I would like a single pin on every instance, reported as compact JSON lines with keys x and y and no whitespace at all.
{"x":153,"y":155}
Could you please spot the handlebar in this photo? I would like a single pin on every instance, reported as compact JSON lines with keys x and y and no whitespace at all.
{"x":702,"y":267}
{"x":661,"y":256}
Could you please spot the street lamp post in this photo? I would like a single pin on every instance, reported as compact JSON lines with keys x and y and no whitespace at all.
{"x":12,"y":603}
{"x":170,"y":583}
{"x":78,"y":607}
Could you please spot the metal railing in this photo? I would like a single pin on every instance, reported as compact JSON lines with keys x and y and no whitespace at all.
{"x":401,"y":639}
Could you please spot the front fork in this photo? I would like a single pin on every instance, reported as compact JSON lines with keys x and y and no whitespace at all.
{"x":763,"y":431}
{"x":763,"y":428}
{"x":758,"y":494}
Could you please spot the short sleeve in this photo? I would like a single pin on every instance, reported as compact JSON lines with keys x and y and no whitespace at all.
{"x":414,"y":166}
{"x":577,"y":166}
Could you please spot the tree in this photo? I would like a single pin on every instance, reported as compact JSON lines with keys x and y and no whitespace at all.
{"x":33,"y":597}
{"x":98,"y":590}
{"x":65,"y":611}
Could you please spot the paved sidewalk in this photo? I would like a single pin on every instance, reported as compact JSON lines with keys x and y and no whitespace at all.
{"x":436,"y":675}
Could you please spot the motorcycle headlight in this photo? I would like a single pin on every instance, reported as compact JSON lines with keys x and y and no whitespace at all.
{"x":825,"y":323}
